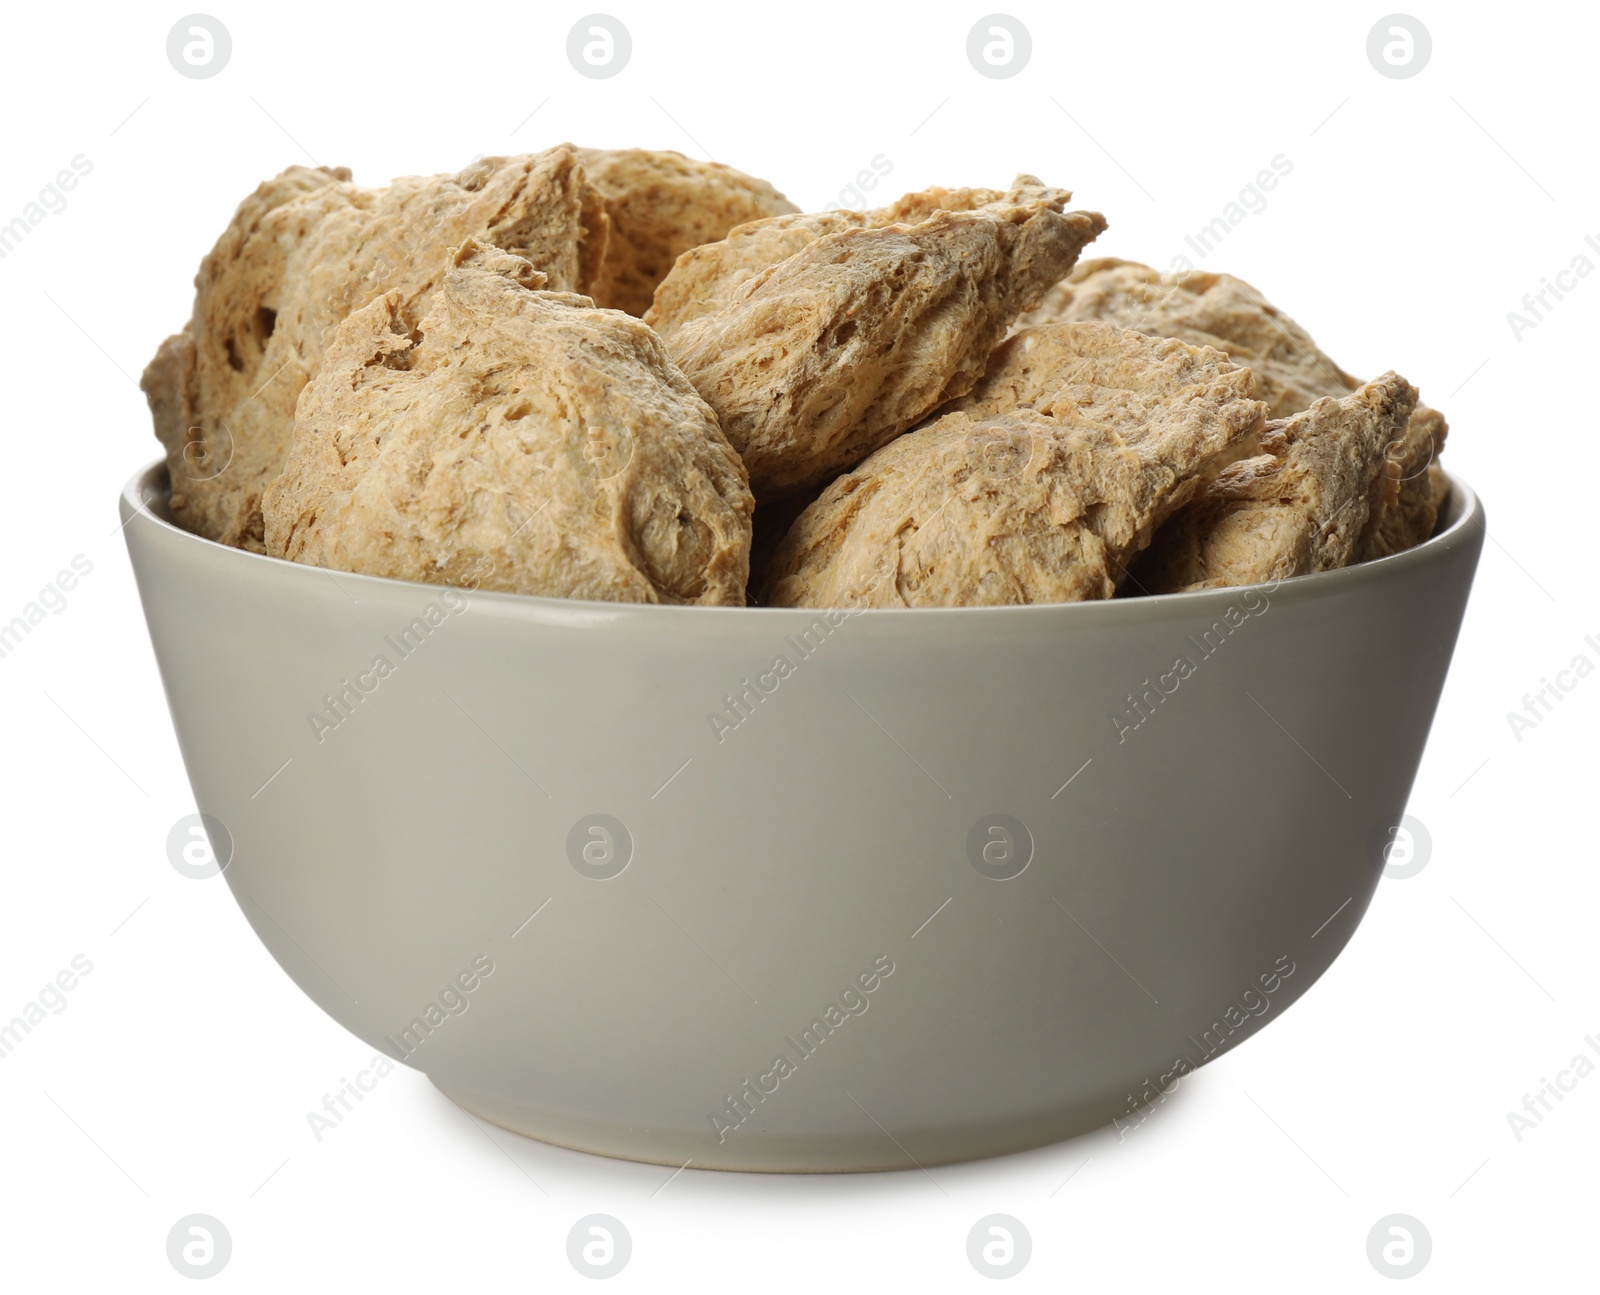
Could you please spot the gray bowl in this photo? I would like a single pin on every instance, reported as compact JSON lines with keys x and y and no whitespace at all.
{"x":770,"y":889}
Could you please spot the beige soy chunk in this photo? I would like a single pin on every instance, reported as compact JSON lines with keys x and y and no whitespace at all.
{"x":839,"y":348}
{"x":1203,"y":309}
{"x":661,"y":204}
{"x":230,"y":373}
{"x":1305,"y":504}
{"x":1408,"y":516}
{"x":1010,"y":502}
{"x":1291,"y":370}
{"x":512,"y":439}
{"x":704,"y":278}
{"x":301,"y":254}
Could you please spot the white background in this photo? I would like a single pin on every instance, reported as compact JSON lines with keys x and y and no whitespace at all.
{"x":1417,"y":214}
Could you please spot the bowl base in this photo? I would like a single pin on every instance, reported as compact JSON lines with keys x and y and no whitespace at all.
{"x":754,"y":1152}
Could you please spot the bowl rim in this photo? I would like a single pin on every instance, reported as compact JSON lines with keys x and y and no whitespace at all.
{"x":151,"y":484}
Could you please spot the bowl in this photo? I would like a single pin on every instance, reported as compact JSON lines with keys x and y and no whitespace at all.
{"x":788,"y":890}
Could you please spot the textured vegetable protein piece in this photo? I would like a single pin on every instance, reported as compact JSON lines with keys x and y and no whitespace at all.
{"x":512,"y":439}
{"x":702,"y":279}
{"x":1408,"y":516}
{"x":1044,"y":498}
{"x":1291,"y":370}
{"x":229,"y":372}
{"x":858,"y":335}
{"x":1305,"y":504}
{"x":661,"y":204}
{"x":301,"y":254}
{"x":1203,"y":309}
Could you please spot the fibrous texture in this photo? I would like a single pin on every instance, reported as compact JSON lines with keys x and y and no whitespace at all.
{"x":1306,"y":503}
{"x":704,"y":277}
{"x":1203,"y":309}
{"x":1408,"y":516}
{"x":222,"y":391}
{"x":1291,"y":370}
{"x":661,"y":204}
{"x":512,"y":439}
{"x":1040,"y":487}
{"x":932,"y":401}
{"x":860,"y":333}
{"x":302,"y":253}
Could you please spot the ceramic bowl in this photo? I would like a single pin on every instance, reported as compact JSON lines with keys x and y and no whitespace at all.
{"x":773,"y":889}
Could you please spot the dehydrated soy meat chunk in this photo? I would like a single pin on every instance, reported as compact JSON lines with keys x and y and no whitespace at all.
{"x":661,"y":204}
{"x":703,"y":278}
{"x":301,"y":254}
{"x":858,"y":335}
{"x":512,"y":439}
{"x":1305,"y":504}
{"x":1291,"y":371}
{"x":1012,"y":501}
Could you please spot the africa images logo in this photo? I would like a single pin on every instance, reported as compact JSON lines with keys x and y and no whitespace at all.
{"x":854,"y":1000}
